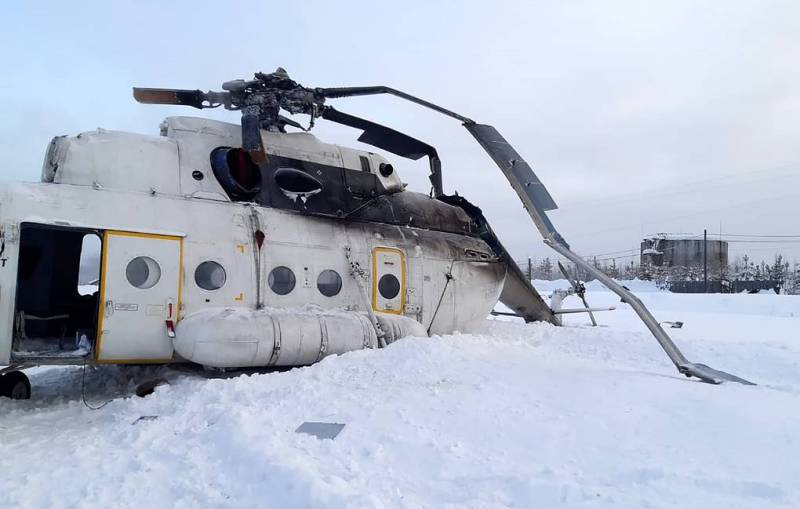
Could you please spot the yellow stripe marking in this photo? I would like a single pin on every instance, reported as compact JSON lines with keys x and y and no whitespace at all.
{"x":375,"y":252}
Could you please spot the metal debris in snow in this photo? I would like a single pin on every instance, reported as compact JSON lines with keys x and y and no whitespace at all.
{"x":321,"y":430}
{"x":144,"y":418}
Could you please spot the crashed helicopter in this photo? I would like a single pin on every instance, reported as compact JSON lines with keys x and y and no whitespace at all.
{"x":233,"y":246}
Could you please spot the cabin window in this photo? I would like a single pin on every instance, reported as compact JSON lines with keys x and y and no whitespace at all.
{"x":210,"y":275}
{"x":329,"y":283}
{"x":89,"y":265}
{"x":389,"y":286}
{"x":365,"y":164}
{"x":281,"y":280}
{"x":143,"y":272}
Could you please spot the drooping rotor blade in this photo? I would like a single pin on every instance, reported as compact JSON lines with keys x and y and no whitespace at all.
{"x":193,"y":98}
{"x":537,"y":201}
{"x":391,"y":141}
{"x":683,"y":365}
{"x":381,"y":136}
{"x":530,"y":189}
{"x":535,"y":197}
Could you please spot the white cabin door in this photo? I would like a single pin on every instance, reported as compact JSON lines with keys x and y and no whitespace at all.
{"x":139,"y":297}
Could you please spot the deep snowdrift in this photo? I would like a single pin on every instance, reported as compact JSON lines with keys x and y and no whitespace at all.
{"x":519,"y":415}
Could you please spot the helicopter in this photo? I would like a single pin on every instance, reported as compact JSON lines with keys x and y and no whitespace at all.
{"x":252,"y":246}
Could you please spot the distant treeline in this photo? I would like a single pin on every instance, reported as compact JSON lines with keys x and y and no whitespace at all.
{"x":785,"y":275}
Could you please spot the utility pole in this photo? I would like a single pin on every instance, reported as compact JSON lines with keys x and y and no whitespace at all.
{"x":705,"y":261}
{"x":530,"y":269}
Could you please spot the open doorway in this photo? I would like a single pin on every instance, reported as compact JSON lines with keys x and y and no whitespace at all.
{"x":57,"y":292}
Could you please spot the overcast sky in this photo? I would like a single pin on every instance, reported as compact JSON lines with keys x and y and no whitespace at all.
{"x":640,"y":117}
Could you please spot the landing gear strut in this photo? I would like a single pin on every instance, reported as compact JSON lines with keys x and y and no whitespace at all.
{"x":15,"y":385}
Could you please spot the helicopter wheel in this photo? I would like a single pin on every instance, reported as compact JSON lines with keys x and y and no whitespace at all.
{"x":15,"y":385}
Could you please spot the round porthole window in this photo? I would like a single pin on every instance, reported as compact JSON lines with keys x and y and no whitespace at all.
{"x":143,"y":272}
{"x":281,"y":280}
{"x":209,"y":276}
{"x":329,"y":283}
{"x":389,"y":286}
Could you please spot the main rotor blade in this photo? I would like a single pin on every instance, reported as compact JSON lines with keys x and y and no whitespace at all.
{"x":531,"y":191}
{"x":334,"y":93}
{"x":522,"y":178}
{"x":392,"y":141}
{"x":537,"y":201}
{"x":193,"y":98}
{"x":381,"y":136}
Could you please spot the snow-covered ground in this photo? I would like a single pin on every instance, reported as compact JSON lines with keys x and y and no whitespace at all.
{"x":515,"y":416}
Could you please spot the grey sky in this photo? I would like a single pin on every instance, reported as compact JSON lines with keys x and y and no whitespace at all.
{"x":685,"y":112}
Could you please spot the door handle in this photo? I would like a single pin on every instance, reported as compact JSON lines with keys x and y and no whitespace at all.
{"x":109,"y":308}
{"x":170,"y":322}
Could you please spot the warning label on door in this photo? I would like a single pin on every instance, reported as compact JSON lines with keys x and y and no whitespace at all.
{"x":123,"y":306}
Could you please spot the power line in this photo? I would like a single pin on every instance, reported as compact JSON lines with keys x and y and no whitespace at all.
{"x":760,"y":236}
{"x":601,"y":257}
{"x":761,"y":241}
{"x":630,"y":226}
{"x":684,"y":187}
{"x":613,"y":252}
{"x":787,"y":240}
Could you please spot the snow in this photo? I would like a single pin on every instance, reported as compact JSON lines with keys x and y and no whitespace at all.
{"x":87,"y":289}
{"x":514,"y":416}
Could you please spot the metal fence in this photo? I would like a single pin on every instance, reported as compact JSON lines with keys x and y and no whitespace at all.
{"x":722,"y":286}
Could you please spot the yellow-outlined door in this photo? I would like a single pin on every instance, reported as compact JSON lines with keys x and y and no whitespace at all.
{"x":388,"y":280}
{"x":140,"y":296}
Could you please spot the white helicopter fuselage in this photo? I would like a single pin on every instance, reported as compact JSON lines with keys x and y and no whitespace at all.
{"x":265,"y":286}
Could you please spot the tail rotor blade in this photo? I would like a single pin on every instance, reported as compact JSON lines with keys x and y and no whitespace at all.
{"x":579,"y":291}
{"x":566,"y":275}
{"x":574,"y":282}
{"x":588,"y":310}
